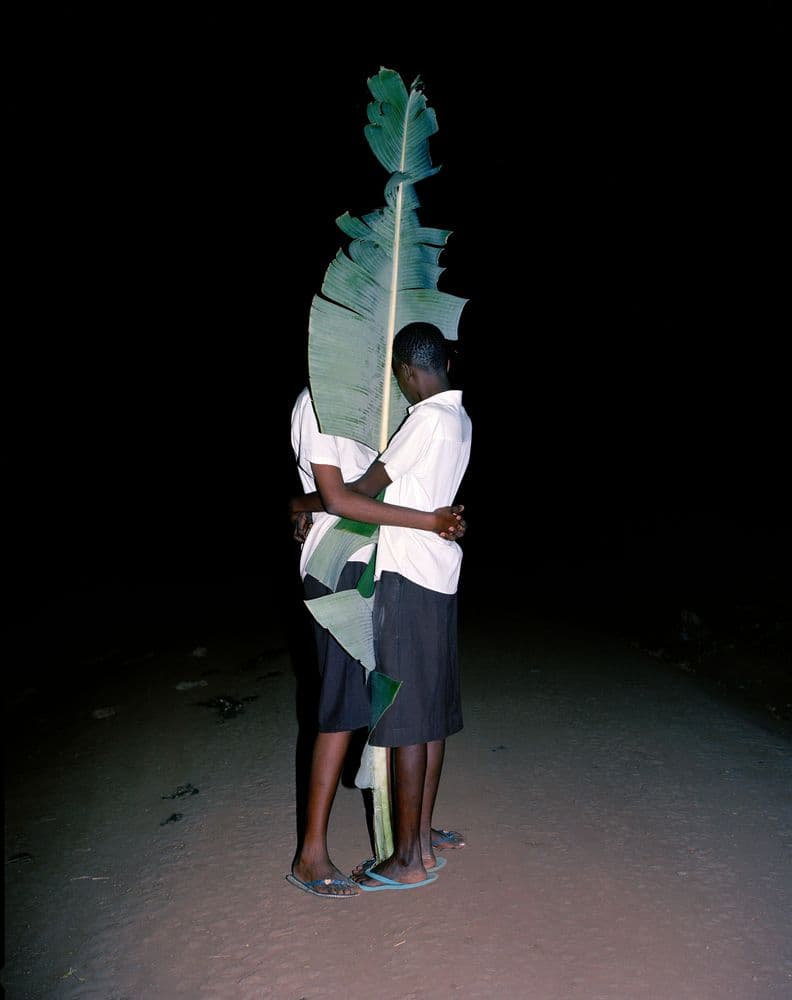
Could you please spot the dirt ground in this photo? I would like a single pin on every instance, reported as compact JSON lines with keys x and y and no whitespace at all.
{"x":629,"y":832}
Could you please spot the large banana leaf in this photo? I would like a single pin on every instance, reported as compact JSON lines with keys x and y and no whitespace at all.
{"x":347,"y":615}
{"x":373,"y":771}
{"x":385,"y":279}
{"x":328,"y":559}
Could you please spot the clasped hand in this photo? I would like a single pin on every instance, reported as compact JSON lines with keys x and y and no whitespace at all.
{"x":450,"y":523}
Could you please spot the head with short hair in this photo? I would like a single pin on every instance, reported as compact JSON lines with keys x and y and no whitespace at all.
{"x":421,"y":345}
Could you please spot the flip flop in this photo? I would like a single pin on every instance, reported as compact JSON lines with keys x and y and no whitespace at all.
{"x":389,"y":883}
{"x":341,"y":882}
{"x":439,"y":863}
{"x":447,"y":838}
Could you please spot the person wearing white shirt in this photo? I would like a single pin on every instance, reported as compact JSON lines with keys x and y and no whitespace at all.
{"x":415,"y":607}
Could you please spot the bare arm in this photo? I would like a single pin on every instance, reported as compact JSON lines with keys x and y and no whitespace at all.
{"x":372,"y":482}
{"x":354,"y":501}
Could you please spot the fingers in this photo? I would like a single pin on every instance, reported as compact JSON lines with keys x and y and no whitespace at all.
{"x":454,"y":531}
{"x":303,"y":522}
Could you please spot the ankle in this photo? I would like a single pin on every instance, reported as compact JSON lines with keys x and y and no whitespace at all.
{"x":310,"y":859}
{"x":412,"y":858}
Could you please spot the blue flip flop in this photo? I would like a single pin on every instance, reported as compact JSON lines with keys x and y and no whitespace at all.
{"x":389,"y":883}
{"x":309,"y":886}
{"x":439,"y":863}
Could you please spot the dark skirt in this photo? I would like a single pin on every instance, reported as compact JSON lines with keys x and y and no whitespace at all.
{"x":415,"y":638}
{"x":344,"y":694}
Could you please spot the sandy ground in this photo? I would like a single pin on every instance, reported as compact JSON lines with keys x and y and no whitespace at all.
{"x":629,"y":835}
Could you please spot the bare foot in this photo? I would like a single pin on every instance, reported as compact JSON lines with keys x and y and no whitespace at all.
{"x":447,"y":840}
{"x":429,"y":863}
{"x":361,"y":868}
{"x":323,"y":879}
{"x":389,"y":869}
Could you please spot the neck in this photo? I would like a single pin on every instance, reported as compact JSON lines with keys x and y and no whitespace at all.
{"x":429,"y":384}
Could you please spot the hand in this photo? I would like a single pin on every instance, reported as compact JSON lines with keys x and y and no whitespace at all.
{"x":450,"y":523}
{"x":302,"y":523}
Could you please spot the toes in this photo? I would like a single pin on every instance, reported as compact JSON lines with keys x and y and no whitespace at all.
{"x":331,"y":888}
{"x":447,"y":839}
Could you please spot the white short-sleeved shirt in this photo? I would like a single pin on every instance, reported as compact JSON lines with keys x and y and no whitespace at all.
{"x":310,"y":445}
{"x":426,"y":460}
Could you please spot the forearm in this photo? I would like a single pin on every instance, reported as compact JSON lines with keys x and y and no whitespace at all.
{"x":369,"y":485}
{"x":354,"y":501}
{"x":309,"y":503}
{"x":344,"y":500}
{"x":357,"y":507}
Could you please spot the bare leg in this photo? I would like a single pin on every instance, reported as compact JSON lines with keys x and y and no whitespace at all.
{"x":435,"y":752}
{"x":312,"y":861}
{"x":405,"y":864}
{"x":435,"y":840}
{"x":448,"y":840}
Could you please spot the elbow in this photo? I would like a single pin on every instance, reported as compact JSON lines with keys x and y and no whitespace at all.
{"x":338,"y":501}
{"x":333,"y":505}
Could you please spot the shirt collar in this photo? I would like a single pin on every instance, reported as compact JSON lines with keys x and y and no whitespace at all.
{"x":451,"y":397}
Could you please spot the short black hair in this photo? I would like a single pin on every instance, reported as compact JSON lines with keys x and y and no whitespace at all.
{"x":421,"y":345}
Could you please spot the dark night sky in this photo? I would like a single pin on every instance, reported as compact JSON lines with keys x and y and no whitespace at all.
{"x":614,"y":187}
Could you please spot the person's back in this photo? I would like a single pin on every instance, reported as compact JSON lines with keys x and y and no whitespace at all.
{"x":426,"y":461}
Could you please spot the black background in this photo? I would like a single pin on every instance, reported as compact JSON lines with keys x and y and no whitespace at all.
{"x":613,"y":181}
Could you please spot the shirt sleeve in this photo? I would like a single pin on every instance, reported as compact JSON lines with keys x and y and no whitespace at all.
{"x":409,"y":445}
{"x":321,"y":449}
